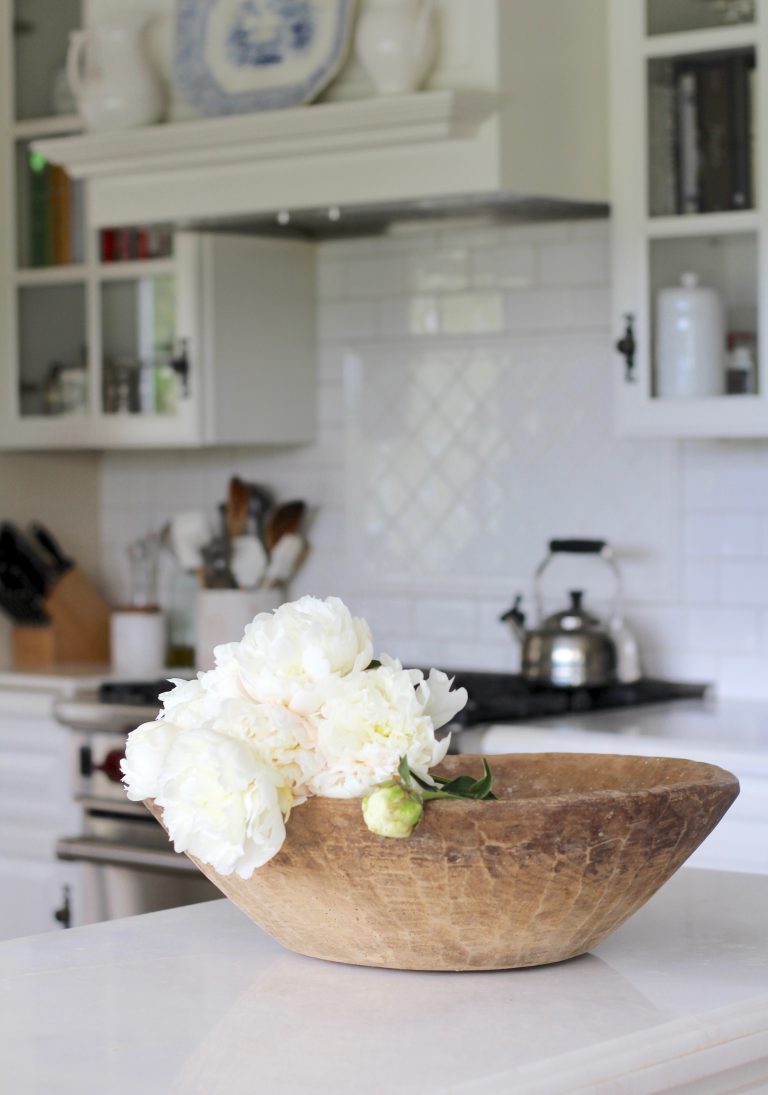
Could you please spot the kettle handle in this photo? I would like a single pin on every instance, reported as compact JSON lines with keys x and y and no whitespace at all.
{"x":579,"y":547}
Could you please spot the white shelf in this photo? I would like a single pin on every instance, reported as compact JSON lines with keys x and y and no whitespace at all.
{"x":703,"y":224}
{"x":51,"y":275}
{"x":54,"y":125}
{"x":326,"y":128}
{"x":135,"y":268}
{"x":708,"y":40}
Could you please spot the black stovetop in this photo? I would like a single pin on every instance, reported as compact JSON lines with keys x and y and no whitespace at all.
{"x":493,"y":697}
{"x":506,"y":697}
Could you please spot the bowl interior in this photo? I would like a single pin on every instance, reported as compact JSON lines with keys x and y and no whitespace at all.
{"x":522,"y":776}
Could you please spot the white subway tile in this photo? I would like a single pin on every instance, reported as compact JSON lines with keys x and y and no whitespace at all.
{"x":402,"y":316}
{"x":573,"y":263}
{"x":538,"y":309}
{"x":589,"y":307}
{"x":445,"y":619}
{"x":700,"y":581}
{"x":472,"y":313}
{"x":744,"y":583}
{"x":721,"y":533}
{"x":373,"y":277}
{"x":724,"y":630}
{"x":444,"y":271}
{"x":504,"y":268}
{"x":697,"y":666}
{"x":591,"y":230}
{"x":341,"y":319}
{"x":743,"y":677}
{"x":330,"y":277}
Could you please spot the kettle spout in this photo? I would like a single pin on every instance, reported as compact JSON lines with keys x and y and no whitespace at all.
{"x":515,"y":617}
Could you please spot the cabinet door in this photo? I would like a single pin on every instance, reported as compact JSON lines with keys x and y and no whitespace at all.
{"x":689,"y":246}
{"x":36,"y":808}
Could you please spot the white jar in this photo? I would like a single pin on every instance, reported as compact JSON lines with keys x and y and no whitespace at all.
{"x":138,"y":642}
{"x":223,"y":615}
{"x":690,"y":341}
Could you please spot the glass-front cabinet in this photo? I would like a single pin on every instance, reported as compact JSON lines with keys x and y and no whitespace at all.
{"x":94,"y":354}
{"x":689,"y":225}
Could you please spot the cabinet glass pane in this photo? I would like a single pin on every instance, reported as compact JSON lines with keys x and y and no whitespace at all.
{"x":672,"y":16}
{"x":41,"y":34}
{"x":138,"y":330}
{"x":49,"y":212}
{"x":704,"y":316}
{"x":701,"y":134}
{"x":53,"y":376}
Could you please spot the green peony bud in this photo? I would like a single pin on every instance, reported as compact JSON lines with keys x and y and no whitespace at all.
{"x":392,"y":810}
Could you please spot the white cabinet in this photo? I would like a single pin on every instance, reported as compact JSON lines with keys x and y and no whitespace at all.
{"x":132,"y":335}
{"x":513,"y":109}
{"x":36,"y":808}
{"x":688,"y":186}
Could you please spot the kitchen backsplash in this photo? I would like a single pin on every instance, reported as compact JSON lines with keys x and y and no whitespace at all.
{"x":465,"y":418}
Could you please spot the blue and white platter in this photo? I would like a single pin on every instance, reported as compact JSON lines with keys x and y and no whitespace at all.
{"x":237,"y":56}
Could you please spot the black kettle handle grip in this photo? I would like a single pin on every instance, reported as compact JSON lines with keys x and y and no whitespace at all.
{"x":577,"y":547}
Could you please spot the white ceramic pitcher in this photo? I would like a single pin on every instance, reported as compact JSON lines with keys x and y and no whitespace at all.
{"x":111,"y":75}
{"x":396,"y":43}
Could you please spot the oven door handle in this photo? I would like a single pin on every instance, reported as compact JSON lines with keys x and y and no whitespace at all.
{"x":91,"y":850}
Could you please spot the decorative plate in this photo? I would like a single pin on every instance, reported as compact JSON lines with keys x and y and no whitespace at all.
{"x":238,"y":56}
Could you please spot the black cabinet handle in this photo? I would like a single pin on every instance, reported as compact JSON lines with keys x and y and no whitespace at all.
{"x":63,"y":915}
{"x":627,"y":347}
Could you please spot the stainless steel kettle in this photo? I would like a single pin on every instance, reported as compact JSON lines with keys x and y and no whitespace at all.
{"x":572,"y":648}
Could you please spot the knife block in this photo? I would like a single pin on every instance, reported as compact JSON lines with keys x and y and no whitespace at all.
{"x":78,"y":631}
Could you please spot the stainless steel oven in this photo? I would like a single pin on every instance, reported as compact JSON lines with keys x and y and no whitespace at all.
{"x":126,"y":864}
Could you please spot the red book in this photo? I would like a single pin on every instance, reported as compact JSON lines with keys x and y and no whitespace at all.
{"x":143,"y":250}
{"x":108,"y":245}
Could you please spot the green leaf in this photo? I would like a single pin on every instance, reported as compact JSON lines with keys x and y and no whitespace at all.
{"x":404,"y":772}
{"x":463,"y":786}
{"x":482,"y":788}
{"x":374,"y":664}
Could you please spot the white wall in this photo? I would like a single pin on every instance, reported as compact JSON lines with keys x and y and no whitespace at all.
{"x":465,"y":419}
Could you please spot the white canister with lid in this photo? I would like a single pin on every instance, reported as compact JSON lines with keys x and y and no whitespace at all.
{"x":690,"y":341}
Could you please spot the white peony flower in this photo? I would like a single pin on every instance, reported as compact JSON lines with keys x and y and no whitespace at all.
{"x":220,"y":802}
{"x":290,"y":655}
{"x":146,"y":751}
{"x":368,"y":721}
{"x":439,"y":703}
{"x":284,"y":742}
{"x":193,"y":703}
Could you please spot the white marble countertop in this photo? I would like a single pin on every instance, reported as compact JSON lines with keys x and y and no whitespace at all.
{"x":701,"y":728}
{"x":198,"y":1000}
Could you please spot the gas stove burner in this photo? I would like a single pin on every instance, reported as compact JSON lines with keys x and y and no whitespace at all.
{"x":507,"y":697}
{"x":133,"y":693}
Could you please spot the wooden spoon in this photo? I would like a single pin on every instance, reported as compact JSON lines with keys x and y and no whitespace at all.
{"x":238,"y":502}
{"x":282,"y":520}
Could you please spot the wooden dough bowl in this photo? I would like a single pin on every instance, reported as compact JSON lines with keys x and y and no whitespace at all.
{"x":573,"y":846}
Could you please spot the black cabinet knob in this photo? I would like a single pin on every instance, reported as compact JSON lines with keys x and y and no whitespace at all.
{"x":627,"y":347}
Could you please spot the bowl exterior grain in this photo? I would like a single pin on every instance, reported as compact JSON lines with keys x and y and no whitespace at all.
{"x":574,"y":844}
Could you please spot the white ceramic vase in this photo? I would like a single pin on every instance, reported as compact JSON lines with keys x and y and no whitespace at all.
{"x":396,"y":43}
{"x":111,"y":76}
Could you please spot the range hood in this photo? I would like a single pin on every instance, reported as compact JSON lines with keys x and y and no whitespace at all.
{"x":519,"y":132}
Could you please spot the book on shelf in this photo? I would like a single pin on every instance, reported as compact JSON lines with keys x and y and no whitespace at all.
{"x":713,"y":122}
{"x":129,"y":244}
{"x":54,"y":225}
